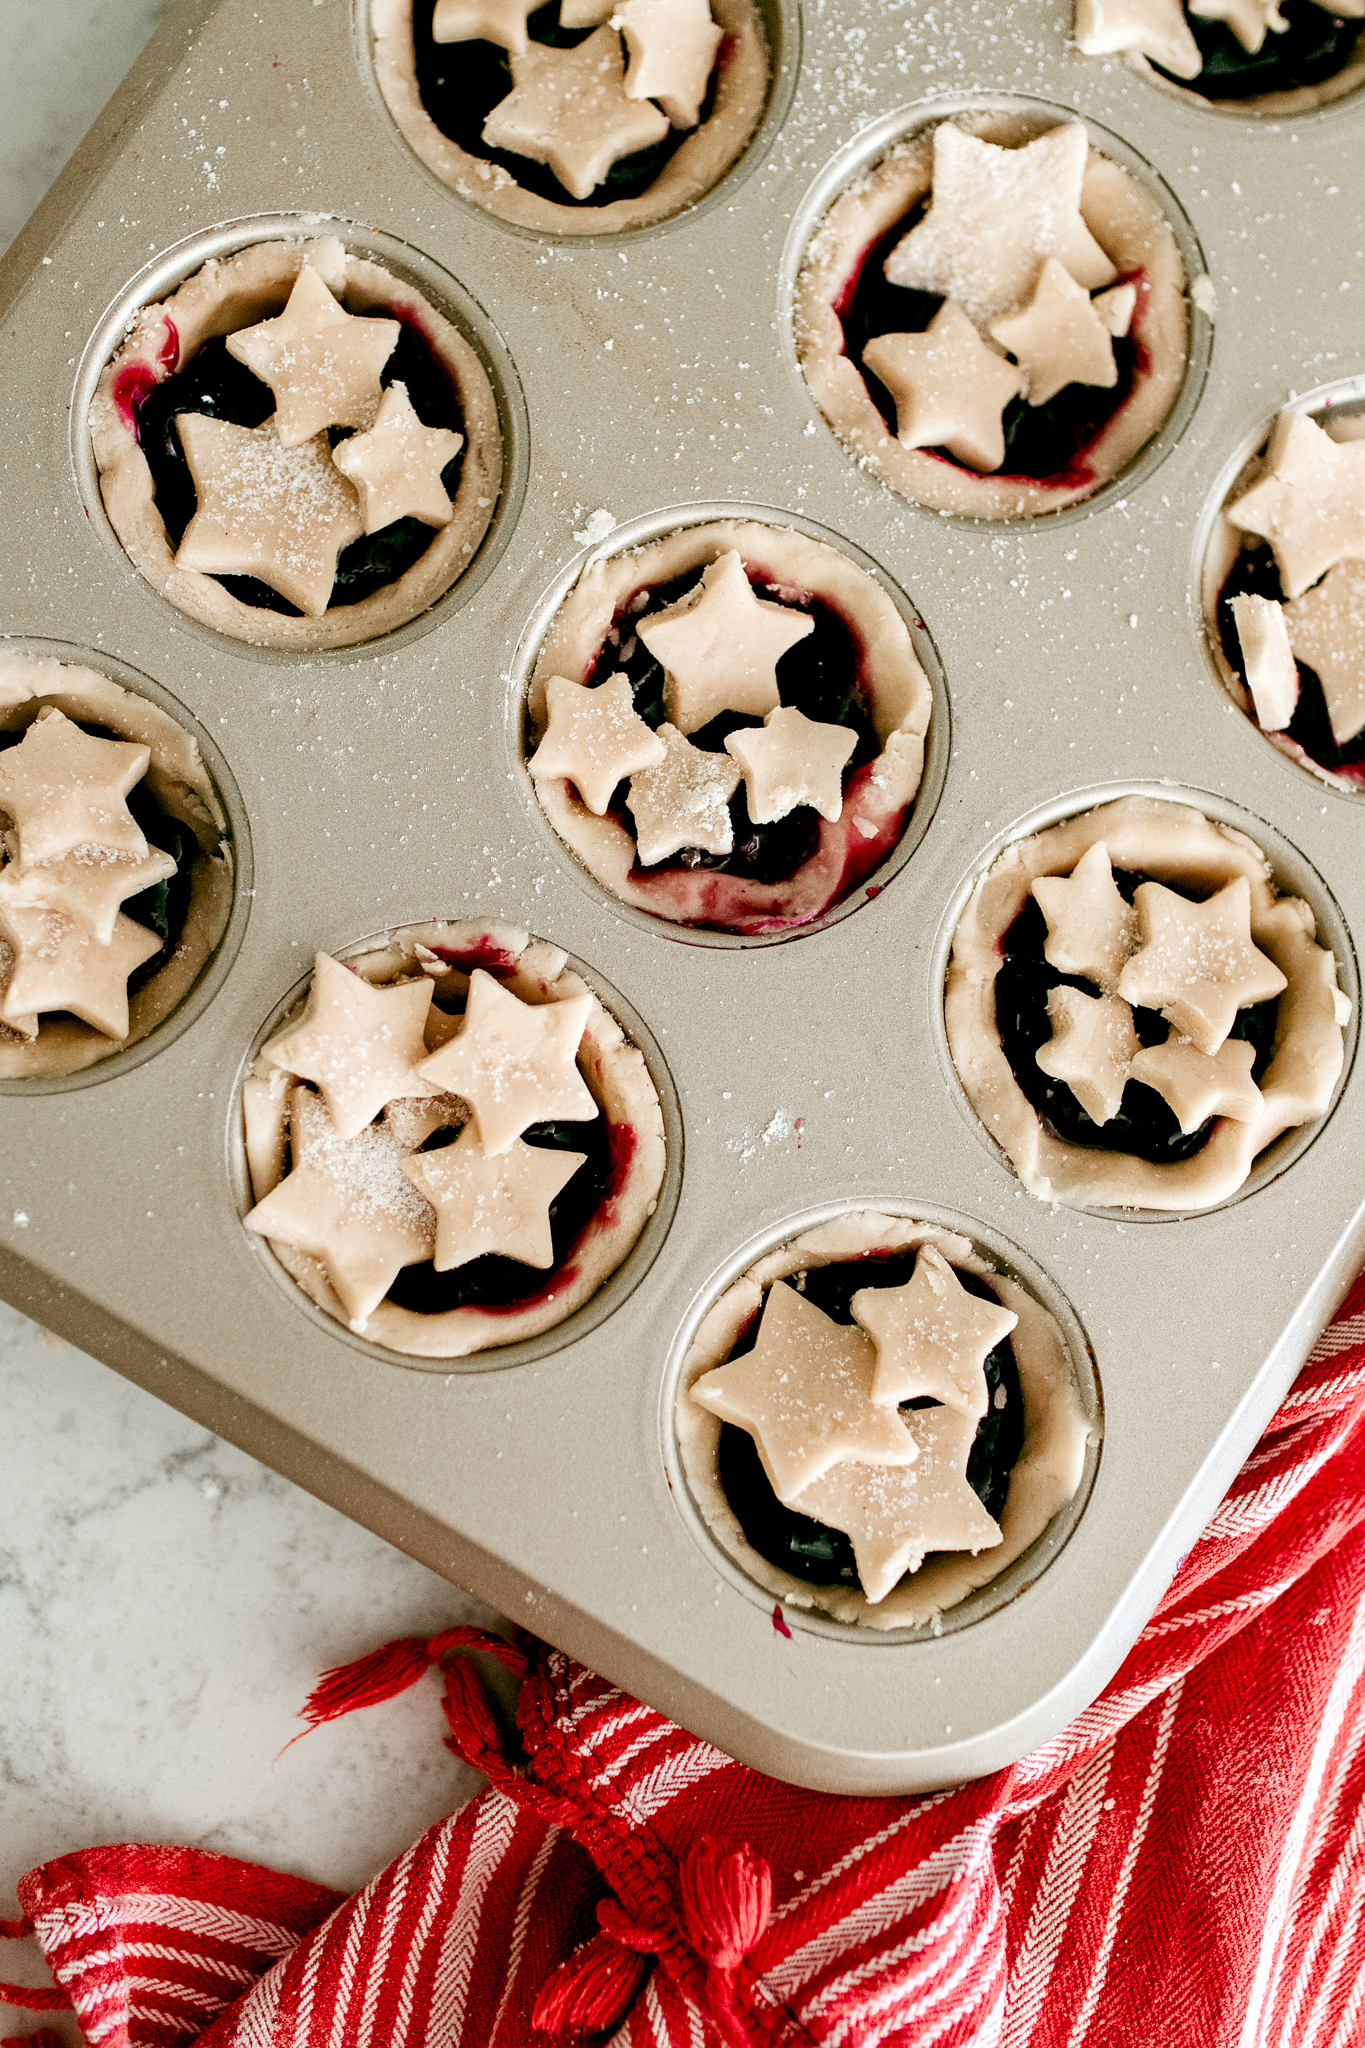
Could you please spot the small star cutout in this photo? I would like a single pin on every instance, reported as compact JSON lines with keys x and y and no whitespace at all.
{"x":791,"y":760}
{"x":498,"y":1204}
{"x":594,"y":738}
{"x":1327,"y":632}
{"x":321,"y":362}
{"x":89,"y":885}
{"x":932,"y":1336}
{"x":1058,"y":338}
{"x":396,"y":467}
{"x":280,"y":514}
{"x":1153,"y":28}
{"x":59,"y":964}
{"x":485,"y":21}
{"x":1197,"y":1085}
{"x":1268,"y":664}
{"x":568,"y":109}
{"x":63,"y":788}
{"x":894,"y":1518}
{"x":804,"y":1394}
{"x":360,"y":1044}
{"x":1090,"y":929}
{"x":719,"y":646}
{"x":995,"y":214}
{"x":1091,"y":1049}
{"x":1310,"y":504}
{"x":684,"y":800}
{"x":950,"y":388}
{"x":1248,"y":19}
{"x":1116,"y":308}
{"x":672,"y":47}
{"x":514,"y":1062}
{"x":1196,"y":962}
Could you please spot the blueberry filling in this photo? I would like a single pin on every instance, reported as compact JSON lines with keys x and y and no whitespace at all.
{"x":1145,"y":1126}
{"x":215,"y":383}
{"x":1255,"y":574}
{"x":1041,"y":441}
{"x":811,"y":1550}
{"x":461,"y":83}
{"x":1314,"y":47}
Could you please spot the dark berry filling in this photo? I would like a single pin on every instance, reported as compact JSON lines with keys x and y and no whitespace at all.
{"x":1255,"y":574}
{"x":215,"y":383}
{"x":1046,"y":443}
{"x":1146,"y":1125}
{"x":461,"y":83}
{"x":1314,"y":47}
{"x":809,"y":1549}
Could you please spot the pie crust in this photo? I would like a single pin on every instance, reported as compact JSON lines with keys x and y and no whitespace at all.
{"x":1044,"y":1478}
{"x":1303,"y":99}
{"x":238,"y":291}
{"x":1123,"y":218}
{"x":1174,"y":844}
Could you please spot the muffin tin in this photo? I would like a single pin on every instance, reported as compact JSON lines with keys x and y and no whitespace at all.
{"x":644,"y":380}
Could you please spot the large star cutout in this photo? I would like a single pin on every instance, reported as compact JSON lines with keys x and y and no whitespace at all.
{"x":1196,"y":962}
{"x":1090,"y":929}
{"x":280,"y":514}
{"x":498,"y":1203}
{"x":1248,"y":19}
{"x":1091,"y":1049}
{"x":894,"y":1518}
{"x":789,"y":760}
{"x":321,"y":362}
{"x":360,"y":1044}
{"x":89,"y":885}
{"x":485,"y":21}
{"x":594,"y":738}
{"x":568,"y":109}
{"x":514,"y":1063}
{"x":1327,"y":632}
{"x":1310,"y":504}
{"x":63,"y":788}
{"x":396,"y":467}
{"x":1197,"y":1085}
{"x":719,"y":646}
{"x":348,"y":1204}
{"x":59,"y":964}
{"x":1268,"y":663}
{"x":949,"y":387}
{"x":995,"y":214}
{"x":804,"y":1394}
{"x":672,"y":47}
{"x":684,"y":800}
{"x":932,"y":1336}
{"x":1058,"y":338}
{"x":1153,"y":28}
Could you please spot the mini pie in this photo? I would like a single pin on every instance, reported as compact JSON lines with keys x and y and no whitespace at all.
{"x":993,"y":317}
{"x":116,"y":877}
{"x":586,"y":118}
{"x":296,"y":448}
{"x":1284,"y":593}
{"x":727,"y":726}
{"x":1136,"y":1013}
{"x":452,"y":1144}
{"x":795,"y":1421}
{"x":1245,"y":56}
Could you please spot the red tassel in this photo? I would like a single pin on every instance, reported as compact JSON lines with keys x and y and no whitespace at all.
{"x":15,"y":1930}
{"x":30,"y":1998}
{"x":590,"y":1992}
{"x":44,"y":2038}
{"x":394,"y":1667}
{"x":727,"y":1898}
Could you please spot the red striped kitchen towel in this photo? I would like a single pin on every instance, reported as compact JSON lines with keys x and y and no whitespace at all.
{"x":1183,"y":1867}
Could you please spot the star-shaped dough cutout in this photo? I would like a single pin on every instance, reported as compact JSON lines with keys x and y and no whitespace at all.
{"x":59,"y":964}
{"x":994,"y":216}
{"x":1058,"y":338}
{"x":1116,"y":308}
{"x":671,"y":45}
{"x":684,"y":800}
{"x":498,"y":1203}
{"x":1310,"y":503}
{"x":1197,"y":1085}
{"x":1152,"y":28}
{"x":321,"y":362}
{"x":514,"y":1063}
{"x":949,"y":387}
{"x":804,"y":1394}
{"x":1196,"y":962}
{"x":1090,"y":929}
{"x":595,"y":738}
{"x":90,"y":884}
{"x":1249,"y":20}
{"x":895,"y":1517}
{"x":1268,"y":664}
{"x":1091,"y":1049}
{"x":568,"y":109}
{"x":719,"y":646}
{"x":361,"y":1045}
{"x":1327,"y":632}
{"x":63,"y":788}
{"x":396,"y":467}
{"x":790,"y":760}
{"x":348,"y":1204}
{"x":280,"y":514}
{"x":485,"y":21}
{"x":932,"y":1336}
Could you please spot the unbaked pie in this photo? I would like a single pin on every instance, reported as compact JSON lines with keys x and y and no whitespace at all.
{"x":1246,"y":56}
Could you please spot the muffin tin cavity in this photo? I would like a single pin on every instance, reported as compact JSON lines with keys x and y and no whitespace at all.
{"x":1247,"y":57}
